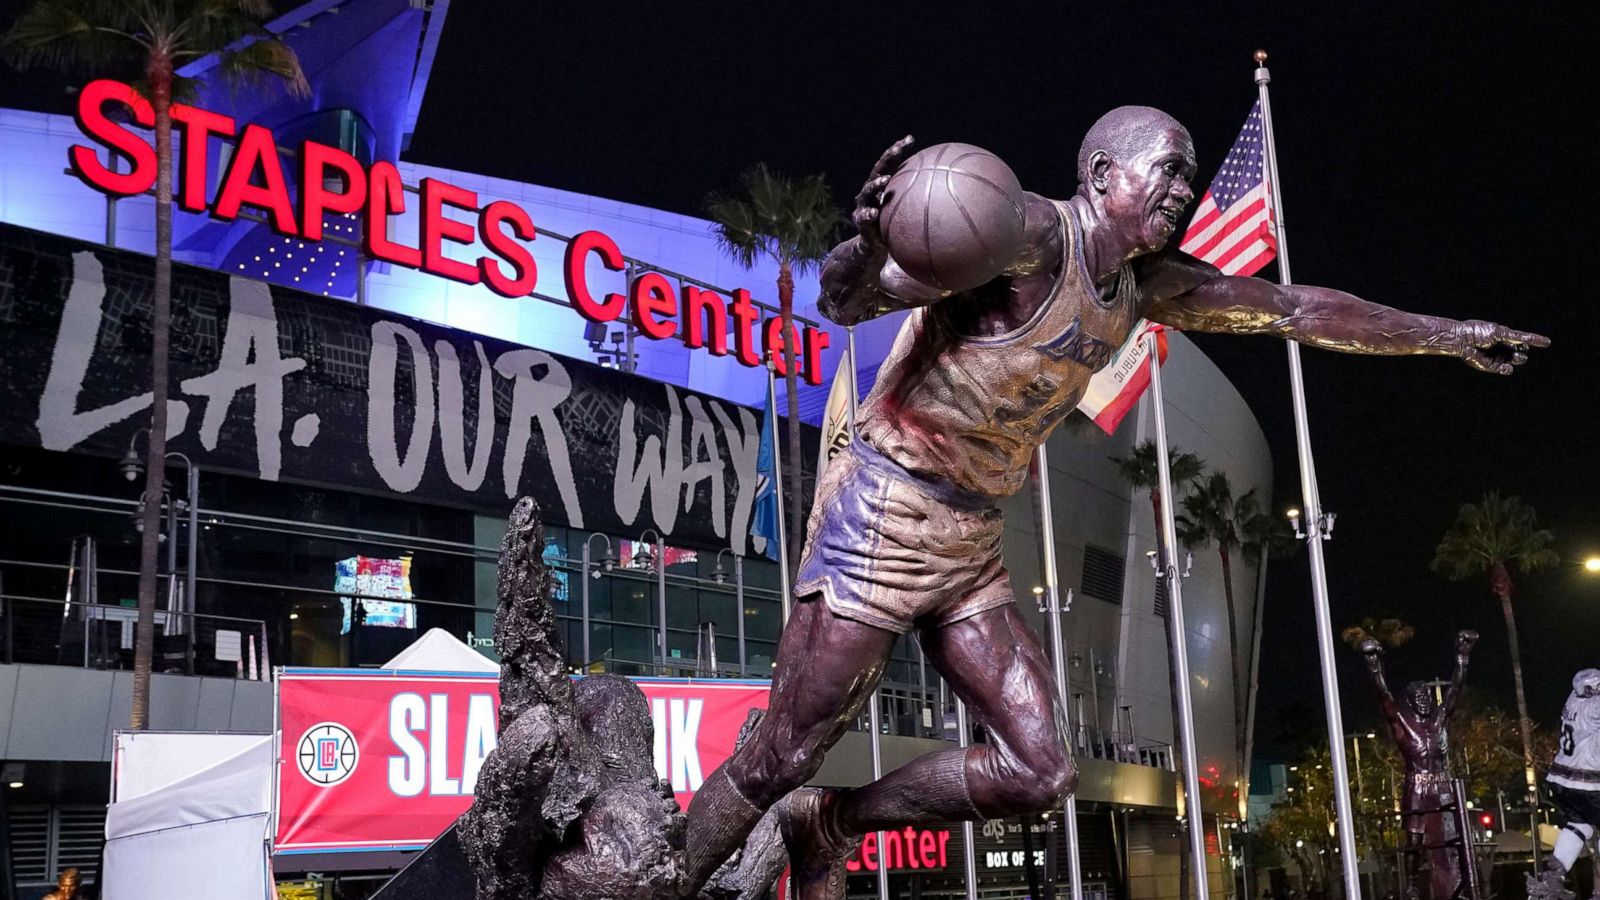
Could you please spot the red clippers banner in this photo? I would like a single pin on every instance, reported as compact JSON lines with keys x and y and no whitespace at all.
{"x":378,"y":761}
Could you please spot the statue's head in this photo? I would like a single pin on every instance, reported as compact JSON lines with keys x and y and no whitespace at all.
{"x":1420,"y":698}
{"x":1135,"y":166}
{"x":1586,"y":683}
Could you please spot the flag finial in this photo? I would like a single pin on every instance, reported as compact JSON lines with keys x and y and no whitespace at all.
{"x":1261,"y":57}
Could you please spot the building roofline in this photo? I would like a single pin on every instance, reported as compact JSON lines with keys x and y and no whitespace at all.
{"x":425,"y":55}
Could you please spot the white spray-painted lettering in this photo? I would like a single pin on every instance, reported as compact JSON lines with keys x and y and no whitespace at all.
{"x":660,"y":467}
{"x":452,"y":408}
{"x":535,"y":398}
{"x":61,"y":424}
{"x":252,"y":330}
{"x":402,"y":473}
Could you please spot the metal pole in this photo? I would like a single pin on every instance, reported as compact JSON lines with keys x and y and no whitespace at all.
{"x":711,"y":641}
{"x":1053,"y":611}
{"x":583,"y":575}
{"x":661,"y":596}
{"x":1244,"y":863}
{"x":876,"y":715}
{"x":191,"y":603}
{"x":1094,"y":691}
{"x":738,"y":596}
{"x":777,"y":477}
{"x":173,"y":601}
{"x":963,"y":740}
{"x":1255,"y":677}
{"x":361,"y":278}
{"x":922,"y":687}
{"x":627,"y":329}
{"x":1180,"y":649}
{"x":111,"y":204}
{"x":1315,"y":525}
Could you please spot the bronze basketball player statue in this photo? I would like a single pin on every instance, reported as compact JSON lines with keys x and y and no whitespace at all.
{"x":1433,"y":809}
{"x":905,"y":534}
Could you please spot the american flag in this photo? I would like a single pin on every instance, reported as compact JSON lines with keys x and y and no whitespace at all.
{"x":1233,"y":227}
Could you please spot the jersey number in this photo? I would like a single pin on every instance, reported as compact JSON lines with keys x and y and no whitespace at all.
{"x":1567,"y":744}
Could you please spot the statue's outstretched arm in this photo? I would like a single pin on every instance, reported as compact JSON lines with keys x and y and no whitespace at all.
{"x":1464,"y":642}
{"x":1186,"y":293}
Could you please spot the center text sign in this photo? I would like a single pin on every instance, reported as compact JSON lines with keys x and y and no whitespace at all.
{"x":295,"y":200}
{"x":375,"y":760}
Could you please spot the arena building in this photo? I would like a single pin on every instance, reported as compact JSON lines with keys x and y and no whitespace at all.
{"x":353,"y":429}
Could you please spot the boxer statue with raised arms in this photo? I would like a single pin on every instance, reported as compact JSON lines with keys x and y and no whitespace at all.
{"x":905,"y":534}
{"x":1421,"y":731}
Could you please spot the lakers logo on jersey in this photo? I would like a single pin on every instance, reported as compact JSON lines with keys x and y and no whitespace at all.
{"x":1079,"y":346}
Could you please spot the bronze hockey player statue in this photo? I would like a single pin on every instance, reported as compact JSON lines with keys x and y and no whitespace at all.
{"x":905,"y":534}
{"x":1432,"y":806}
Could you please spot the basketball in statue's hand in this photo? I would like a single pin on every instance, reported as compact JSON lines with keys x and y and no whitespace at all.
{"x":953,"y":216}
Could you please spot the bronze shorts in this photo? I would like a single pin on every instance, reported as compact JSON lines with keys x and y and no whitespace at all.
{"x":896,"y":551}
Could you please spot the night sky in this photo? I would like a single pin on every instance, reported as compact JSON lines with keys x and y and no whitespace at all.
{"x":1430,"y":161}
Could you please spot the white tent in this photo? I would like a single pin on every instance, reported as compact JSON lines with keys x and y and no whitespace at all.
{"x":199,"y":804}
{"x":440,"y":651}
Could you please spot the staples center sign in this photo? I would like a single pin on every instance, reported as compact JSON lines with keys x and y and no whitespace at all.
{"x":371,"y":760}
{"x":333,"y":181}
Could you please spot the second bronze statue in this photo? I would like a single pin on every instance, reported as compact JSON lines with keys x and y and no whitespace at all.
{"x":905,"y":534}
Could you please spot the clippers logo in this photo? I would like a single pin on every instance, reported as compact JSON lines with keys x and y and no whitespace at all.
{"x":327,"y":754}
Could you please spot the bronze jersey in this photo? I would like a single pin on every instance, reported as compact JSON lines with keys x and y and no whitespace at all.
{"x":972,"y":410}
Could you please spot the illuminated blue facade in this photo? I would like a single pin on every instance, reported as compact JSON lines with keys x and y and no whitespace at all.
{"x":368,"y":63}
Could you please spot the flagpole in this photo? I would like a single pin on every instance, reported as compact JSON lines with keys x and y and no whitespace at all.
{"x":1052,"y":607}
{"x":1318,"y":525}
{"x":777,"y":485}
{"x":1180,"y":636}
{"x":874,"y":712}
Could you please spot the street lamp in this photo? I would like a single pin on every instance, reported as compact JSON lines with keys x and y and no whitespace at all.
{"x":641,"y":557}
{"x":132,"y":466}
{"x":720,"y":576}
{"x":1592,"y":564}
{"x":607,"y":561}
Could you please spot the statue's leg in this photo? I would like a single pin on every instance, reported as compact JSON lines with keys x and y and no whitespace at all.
{"x":1413,"y":861}
{"x":995,"y":665}
{"x":827,"y":667}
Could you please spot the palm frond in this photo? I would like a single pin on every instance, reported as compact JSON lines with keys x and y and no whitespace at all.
{"x":73,"y":34}
{"x":1139,"y":468}
{"x":1261,"y":533}
{"x":1498,"y":531}
{"x":770,"y":215}
{"x":267,"y":60}
{"x":736,"y":229}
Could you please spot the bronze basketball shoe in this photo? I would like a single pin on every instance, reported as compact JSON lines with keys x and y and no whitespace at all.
{"x":817,"y":853}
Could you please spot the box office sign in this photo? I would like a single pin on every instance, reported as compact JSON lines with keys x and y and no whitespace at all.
{"x":374,"y":760}
{"x":282,"y":385}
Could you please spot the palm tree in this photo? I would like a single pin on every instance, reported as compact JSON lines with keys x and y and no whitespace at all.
{"x":1140,"y":469}
{"x":1390,"y":633}
{"x":1210,"y":515}
{"x":1262,"y":536}
{"x":794,"y":224}
{"x":1493,"y":537}
{"x":154,"y":39}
